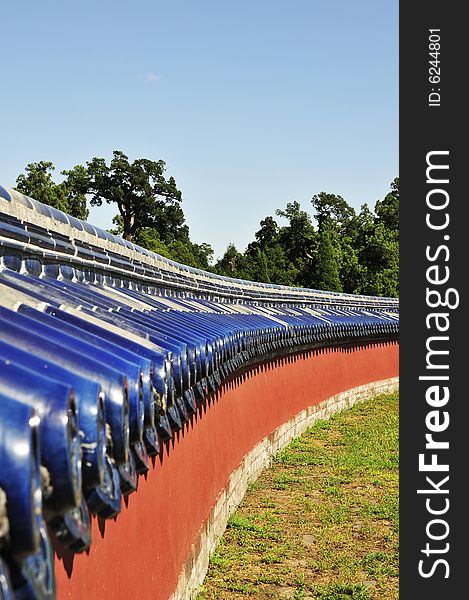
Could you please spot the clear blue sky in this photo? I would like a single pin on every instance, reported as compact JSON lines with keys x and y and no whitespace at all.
{"x":251,"y":104}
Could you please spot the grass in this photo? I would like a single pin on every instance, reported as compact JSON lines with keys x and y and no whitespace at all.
{"x":322,"y":522}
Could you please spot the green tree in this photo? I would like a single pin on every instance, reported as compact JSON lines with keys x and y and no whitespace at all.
{"x":67,"y":196}
{"x":146,"y":237}
{"x":255,"y":261}
{"x":38,"y":184}
{"x":144,"y":198}
{"x":380,"y":257}
{"x":268,"y":233}
{"x":189,"y":253}
{"x":268,"y":258}
{"x":77,"y":185}
{"x":387,"y":210}
{"x":233,"y":264}
{"x":327,"y":265}
{"x":299,"y":241}
{"x":279,"y":267}
{"x":356,"y":253}
{"x":185,"y":252}
{"x":331,"y":208}
{"x":352,"y":237}
{"x":379,"y":247}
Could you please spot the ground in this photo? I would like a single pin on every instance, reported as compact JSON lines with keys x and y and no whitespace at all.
{"x":323,"y":521}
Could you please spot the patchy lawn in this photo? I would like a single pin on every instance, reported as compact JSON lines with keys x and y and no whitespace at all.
{"x":323,"y":521}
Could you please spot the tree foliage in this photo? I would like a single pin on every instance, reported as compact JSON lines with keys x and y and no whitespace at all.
{"x":347,"y":251}
{"x":148,"y":204}
{"x":354,"y":252}
{"x":331,"y":209}
{"x":387,"y":210}
{"x":142,"y":195}
{"x":327,"y":265}
{"x":68,"y":196}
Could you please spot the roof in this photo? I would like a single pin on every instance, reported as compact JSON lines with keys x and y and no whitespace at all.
{"x":107,"y":349}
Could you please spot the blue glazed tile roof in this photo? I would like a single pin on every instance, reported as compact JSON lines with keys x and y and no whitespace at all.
{"x":106,"y":350}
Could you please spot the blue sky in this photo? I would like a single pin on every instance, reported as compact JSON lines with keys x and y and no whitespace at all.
{"x":251,"y":104}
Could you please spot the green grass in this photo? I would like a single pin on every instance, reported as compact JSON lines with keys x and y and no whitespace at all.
{"x":323,"y":521}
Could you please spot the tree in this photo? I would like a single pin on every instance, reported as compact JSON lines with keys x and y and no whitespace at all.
{"x":299,"y":240}
{"x":146,"y":237}
{"x":77,"y":184}
{"x":327,"y":267}
{"x":379,"y":247}
{"x":380,"y":257}
{"x":280,"y":269}
{"x":299,"y":235}
{"x":255,"y":263}
{"x":352,"y":238}
{"x":356,"y":253}
{"x":185,"y":252}
{"x":330,"y":207}
{"x":229,"y":262}
{"x":143,"y":196}
{"x":268,"y":232}
{"x":68,"y":196}
{"x":189,"y":253}
{"x":38,"y":184}
{"x":268,"y":259}
{"x":233,"y":264}
{"x":387,"y":210}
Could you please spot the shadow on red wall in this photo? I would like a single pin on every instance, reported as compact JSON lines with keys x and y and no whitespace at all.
{"x":140,"y":553}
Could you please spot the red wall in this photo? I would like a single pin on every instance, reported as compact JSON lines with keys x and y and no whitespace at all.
{"x":141,"y":553}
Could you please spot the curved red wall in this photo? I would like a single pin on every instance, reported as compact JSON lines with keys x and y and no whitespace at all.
{"x":141,"y":553}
